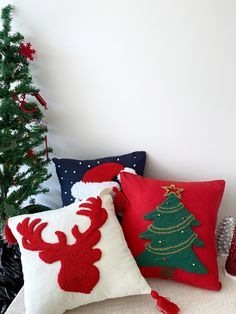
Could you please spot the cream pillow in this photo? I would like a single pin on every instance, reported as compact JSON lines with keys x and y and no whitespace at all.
{"x":75,"y":255}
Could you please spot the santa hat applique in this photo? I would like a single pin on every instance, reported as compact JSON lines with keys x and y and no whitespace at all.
{"x":97,"y":179}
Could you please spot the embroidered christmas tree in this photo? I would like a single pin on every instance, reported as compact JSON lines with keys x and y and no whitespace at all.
{"x":171,"y":236}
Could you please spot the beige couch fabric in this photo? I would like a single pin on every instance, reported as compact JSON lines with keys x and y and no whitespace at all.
{"x":190,"y":300}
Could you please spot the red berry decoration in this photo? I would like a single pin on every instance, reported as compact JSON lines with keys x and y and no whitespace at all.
{"x":27,"y":51}
{"x":30,"y":154}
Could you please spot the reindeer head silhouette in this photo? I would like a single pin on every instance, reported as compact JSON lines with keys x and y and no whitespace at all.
{"x":77,"y":272}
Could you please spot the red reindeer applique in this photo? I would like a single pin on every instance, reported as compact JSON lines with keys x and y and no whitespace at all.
{"x":77,"y":272}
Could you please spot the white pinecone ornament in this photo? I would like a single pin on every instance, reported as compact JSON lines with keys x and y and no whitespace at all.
{"x":224,"y":235}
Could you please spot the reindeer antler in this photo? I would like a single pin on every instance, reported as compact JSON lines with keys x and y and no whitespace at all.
{"x":97,"y":214}
{"x":32,"y":235}
{"x":32,"y":239}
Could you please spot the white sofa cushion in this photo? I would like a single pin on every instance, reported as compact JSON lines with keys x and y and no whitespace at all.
{"x":190,"y":300}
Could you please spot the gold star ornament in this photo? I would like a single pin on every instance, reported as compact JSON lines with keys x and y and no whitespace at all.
{"x":172,"y":189}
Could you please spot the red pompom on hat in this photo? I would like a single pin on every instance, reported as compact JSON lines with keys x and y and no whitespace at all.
{"x":9,"y":235}
{"x":97,"y":179}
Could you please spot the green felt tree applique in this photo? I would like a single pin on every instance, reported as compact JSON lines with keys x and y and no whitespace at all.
{"x":171,"y":235}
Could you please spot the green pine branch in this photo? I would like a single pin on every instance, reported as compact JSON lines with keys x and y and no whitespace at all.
{"x":6,"y":17}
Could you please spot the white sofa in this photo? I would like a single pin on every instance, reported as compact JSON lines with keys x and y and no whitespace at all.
{"x":190,"y":300}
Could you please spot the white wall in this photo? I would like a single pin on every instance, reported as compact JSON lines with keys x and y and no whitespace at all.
{"x":121,"y":75}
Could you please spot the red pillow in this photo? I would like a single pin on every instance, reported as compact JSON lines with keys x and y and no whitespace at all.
{"x":170,"y":228}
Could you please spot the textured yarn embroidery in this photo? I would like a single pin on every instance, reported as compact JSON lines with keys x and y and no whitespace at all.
{"x":77,"y":272}
{"x":171,"y":236}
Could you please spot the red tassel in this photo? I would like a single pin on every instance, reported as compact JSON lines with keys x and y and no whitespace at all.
{"x":119,"y":201}
{"x":9,"y":235}
{"x":164,"y":305}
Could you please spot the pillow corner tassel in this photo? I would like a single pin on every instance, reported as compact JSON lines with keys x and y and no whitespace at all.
{"x":164,"y":305}
{"x":8,"y":234}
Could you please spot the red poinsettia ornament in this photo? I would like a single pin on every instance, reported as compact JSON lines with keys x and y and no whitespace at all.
{"x":27,"y":51}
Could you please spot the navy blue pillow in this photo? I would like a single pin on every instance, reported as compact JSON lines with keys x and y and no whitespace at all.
{"x":71,"y":171}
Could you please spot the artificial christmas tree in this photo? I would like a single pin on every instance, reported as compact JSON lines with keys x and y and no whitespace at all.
{"x":23,"y":142}
{"x":171,"y":237}
{"x":230,"y":266}
{"x":23,"y":163}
